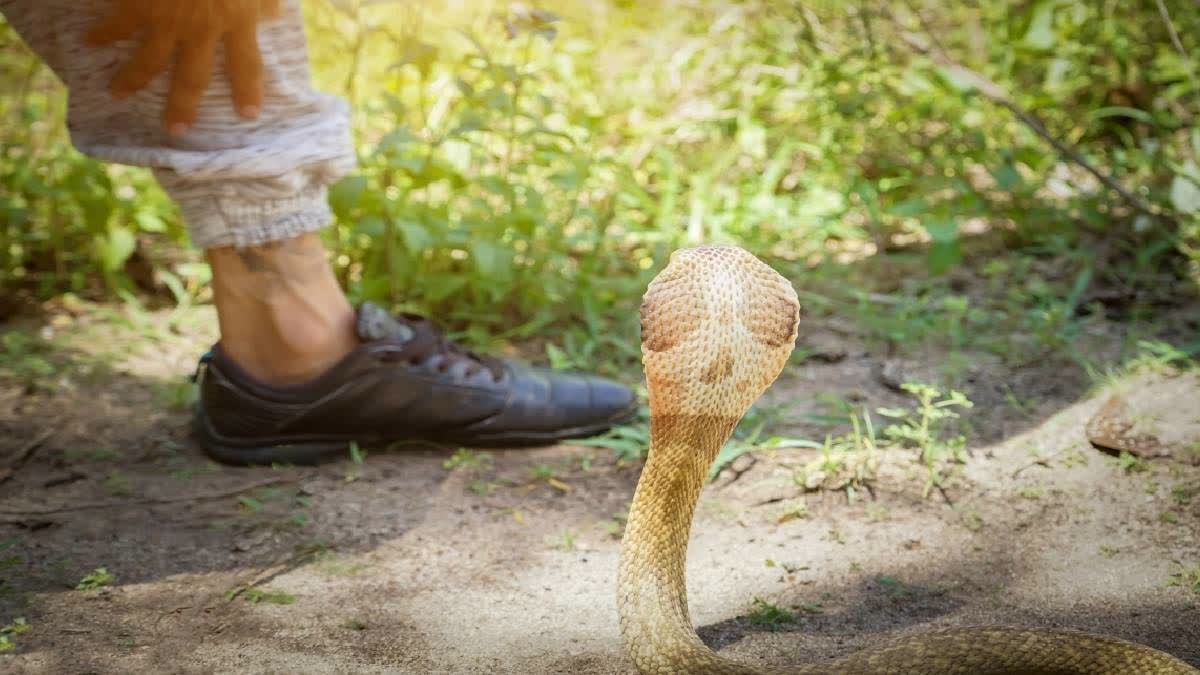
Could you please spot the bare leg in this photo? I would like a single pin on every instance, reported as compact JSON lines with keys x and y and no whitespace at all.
{"x":283,"y":317}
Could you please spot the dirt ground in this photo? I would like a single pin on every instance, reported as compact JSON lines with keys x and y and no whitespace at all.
{"x":419,"y":560}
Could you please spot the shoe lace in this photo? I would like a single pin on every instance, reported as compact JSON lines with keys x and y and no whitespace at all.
{"x":429,"y":341}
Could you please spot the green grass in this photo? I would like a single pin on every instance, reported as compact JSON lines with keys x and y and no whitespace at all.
{"x":256,"y":595}
{"x":467,"y":459}
{"x":1187,"y":577}
{"x":769,"y":615}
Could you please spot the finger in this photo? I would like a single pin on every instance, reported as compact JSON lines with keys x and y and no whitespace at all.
{"x":151,"y":58}
{"x":270,"y":8}
{"x":120,"y":25}
{"x":193,"y":72}
{"x":245,"y":68}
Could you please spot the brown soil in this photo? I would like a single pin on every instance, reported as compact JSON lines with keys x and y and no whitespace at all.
{"x":400,"y":564}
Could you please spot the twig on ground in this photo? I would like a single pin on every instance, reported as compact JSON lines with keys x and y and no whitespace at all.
{"x":1040,"y":461}
{"x":88,"y":506}
{"x":25,"y":453}
{"x":945,"y":496}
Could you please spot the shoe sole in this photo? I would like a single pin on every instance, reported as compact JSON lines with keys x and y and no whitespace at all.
{"x":308,"y":450}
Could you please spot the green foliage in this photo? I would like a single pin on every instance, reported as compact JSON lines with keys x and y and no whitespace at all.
{"x":17,"y":627}
{"x":522,"y":174}
{"x":922,"y":428}
{"x":467,"y":459}
{"x":768,"y":615}
{"x":848,"y":461}
{"x":96,"y":579}
{"x":66,"y":222}
{"x":25,"y":358}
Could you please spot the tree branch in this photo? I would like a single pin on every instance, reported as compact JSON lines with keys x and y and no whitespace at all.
{"x":996,"y":94}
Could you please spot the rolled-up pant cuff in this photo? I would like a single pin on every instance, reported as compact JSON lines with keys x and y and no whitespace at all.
{"x":236,"y":221}
{"x":238,"y":182}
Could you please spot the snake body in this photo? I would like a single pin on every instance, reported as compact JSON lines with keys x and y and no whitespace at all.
{"x":718,"y":325}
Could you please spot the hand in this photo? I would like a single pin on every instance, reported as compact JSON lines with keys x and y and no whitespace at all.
{"x":189,"y":31}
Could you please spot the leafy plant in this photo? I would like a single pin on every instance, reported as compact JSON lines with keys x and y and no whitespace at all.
{"x":769,"y":615}
{"x":467,"y":459}
{"x":922,"y":428}
{"x":94,"y":580}
{"x":17,"y":626}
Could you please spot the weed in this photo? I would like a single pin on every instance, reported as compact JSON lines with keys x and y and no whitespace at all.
{"x":467,"y":459}
{"x":1157,"y":357}
{"x":354,"y":624}
{"x":616,"y":526}
{"x":1186,"y":577}
{"x":179,"y":395}
{"x":188,"y":472}
{"x":1072,"y":458}
{"x":357,"y":454}
{"x":1108,"y":551}
{"x":971,"y":520}
{"x":567,"y":540}
{"x":7,"y":562}
{"x":794,"y":512}
{"x":1184,"y":494}
{"x":25,"y":357}
{"x":92,"y":454}
{"x":117,"y":484}
{"x":1131,"y":464}
{"x":250,"y":504}
{"x":1168,"y":518}
{"x":630,"y":441}
{"x":810,"y":607}
{"x":894,"y":587}
{"x":846,"y":462}
{"x":542,"y":472}
{"x":1030,"y":492}
{"x":769,"y":615}
{"x":17,"y":626}
{"x":483,"y":488}
{"x":257,"y":595}
{"x":921,"y":428}
{"x":333,"y":565}
{"x":94,"y":580}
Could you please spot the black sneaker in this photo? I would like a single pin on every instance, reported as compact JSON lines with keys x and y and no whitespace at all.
{"x":406,"y":381}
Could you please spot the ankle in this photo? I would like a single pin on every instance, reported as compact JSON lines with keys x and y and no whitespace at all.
{"x":284,"y":348}
{"x":283,"y":317}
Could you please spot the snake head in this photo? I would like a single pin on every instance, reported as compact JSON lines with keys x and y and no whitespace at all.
{"x":718,"y":325}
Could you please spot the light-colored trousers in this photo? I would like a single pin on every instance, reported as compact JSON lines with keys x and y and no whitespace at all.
{"x":237,"y":182}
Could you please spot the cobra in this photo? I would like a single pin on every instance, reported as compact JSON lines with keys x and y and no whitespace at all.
{"x":718,"y":325}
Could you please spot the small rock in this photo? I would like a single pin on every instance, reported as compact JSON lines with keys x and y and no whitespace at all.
{"x":1112,"y":429}
{"x":823,"y":346}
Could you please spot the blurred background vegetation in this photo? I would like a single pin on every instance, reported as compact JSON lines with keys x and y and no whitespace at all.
{"x":523,"y":170}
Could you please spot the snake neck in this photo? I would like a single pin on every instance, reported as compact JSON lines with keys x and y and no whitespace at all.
{"x":651,"y":588}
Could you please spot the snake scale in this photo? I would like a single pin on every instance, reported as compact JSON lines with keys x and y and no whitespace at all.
{"x":718,"y":325}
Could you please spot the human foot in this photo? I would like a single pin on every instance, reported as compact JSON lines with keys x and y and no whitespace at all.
{"x":403,"y":380}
